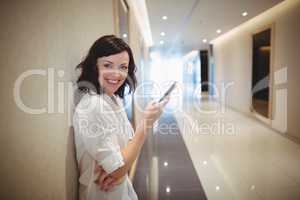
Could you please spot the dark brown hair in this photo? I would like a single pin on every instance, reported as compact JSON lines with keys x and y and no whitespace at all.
{"x":103,"y":47}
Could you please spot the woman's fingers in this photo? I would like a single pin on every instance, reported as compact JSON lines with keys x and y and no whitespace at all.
{"x":104,"y":181}
{"x":107,"y":184}
{"x":163,"y":102}
{"x":102,"y":177}
{"x":153,"y":110}
{"x":152,"y":102}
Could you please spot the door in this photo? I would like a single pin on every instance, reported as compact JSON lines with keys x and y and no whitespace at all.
{"x":261,"y":59}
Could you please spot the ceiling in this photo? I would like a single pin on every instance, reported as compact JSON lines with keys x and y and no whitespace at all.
{"x":190,"y":21}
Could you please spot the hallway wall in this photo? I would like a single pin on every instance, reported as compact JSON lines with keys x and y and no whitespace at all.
{"x":141,"y":55}
{"x":36,"y":161}
{"x":233,"y":58}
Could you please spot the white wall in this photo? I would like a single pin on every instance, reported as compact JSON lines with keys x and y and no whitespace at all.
{"x":36,"y":152}
{"x":233,"y":58}
{"x":140,"y":52}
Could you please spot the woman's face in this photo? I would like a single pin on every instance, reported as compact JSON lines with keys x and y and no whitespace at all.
{"x":113,"y":71}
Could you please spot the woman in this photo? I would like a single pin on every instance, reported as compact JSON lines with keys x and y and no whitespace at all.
{"x":106,"y":145}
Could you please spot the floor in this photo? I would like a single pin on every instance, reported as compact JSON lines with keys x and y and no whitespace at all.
{"x":216,"y":153}
{"x":237,"y":157}
{"x":165,"y":169}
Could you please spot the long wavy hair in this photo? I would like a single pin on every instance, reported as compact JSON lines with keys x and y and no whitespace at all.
{"x":103,"y":47}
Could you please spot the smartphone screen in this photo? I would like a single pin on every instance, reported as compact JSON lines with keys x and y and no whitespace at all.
{"x":168,"y":92}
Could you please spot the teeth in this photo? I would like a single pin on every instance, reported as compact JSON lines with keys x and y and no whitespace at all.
{"x":112,"y":81}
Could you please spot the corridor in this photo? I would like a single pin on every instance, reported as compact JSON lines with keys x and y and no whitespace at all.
{"x":230,"y":130}
{"x":252,"y":162}
{"x":204,"y":151}
{"x":165,"y":169}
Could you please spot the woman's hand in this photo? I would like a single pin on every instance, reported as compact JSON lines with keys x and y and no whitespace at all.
{"x":152,"y":111}
{"x":105,"y":181}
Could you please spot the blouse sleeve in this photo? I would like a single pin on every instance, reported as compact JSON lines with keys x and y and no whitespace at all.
{"x":99,"y":133}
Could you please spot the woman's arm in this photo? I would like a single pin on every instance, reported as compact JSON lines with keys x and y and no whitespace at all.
{"x":132,"y":150}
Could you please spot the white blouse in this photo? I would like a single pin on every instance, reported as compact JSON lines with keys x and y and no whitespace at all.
{"x":101,"y":129}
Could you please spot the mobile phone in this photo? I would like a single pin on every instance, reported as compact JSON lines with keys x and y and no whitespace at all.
{"x":168,"y":92}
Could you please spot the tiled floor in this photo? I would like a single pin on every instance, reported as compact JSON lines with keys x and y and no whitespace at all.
{"x":217,"y":154}
{"x":165,"y":169}
{"x":236,"y":157}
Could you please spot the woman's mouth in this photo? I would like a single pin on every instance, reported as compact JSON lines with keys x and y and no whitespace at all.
{"x":112,"y":81}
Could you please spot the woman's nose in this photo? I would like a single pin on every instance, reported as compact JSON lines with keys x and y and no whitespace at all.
{"x":115,"y":73}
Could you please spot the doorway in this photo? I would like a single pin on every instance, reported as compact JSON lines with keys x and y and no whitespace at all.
{"x":261,"y":62}
{"x":204,"y":70}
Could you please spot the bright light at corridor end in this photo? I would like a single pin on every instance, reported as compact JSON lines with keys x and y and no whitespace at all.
{"x":164,"y":17}
{"x":204,"y":40}
{"x":165,"y":69}
{"x":219,"y":31}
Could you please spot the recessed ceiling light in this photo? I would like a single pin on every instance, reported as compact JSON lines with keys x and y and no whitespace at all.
{"x":218,"y":188}
{"x":161,"y":42}
{"x":162,"y":34}
{"x":204,"y":40}
{"x":219,"y":31}
{"x":166,"y":164}
{"x":164,"y":17}
{"x":168,"y":189}
{"x":244,"y":14}
{"x":124,"y":35}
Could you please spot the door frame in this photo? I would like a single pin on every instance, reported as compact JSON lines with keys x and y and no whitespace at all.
{"x":268,"y":119}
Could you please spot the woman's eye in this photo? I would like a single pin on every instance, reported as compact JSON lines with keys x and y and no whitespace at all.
{"x":107,"y":65}
{"x":124,"y":67}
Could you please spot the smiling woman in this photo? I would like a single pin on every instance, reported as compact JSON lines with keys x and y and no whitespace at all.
{"x":112,"y":59}
{"x":106,"y":144}
{"x":113,"y":71}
